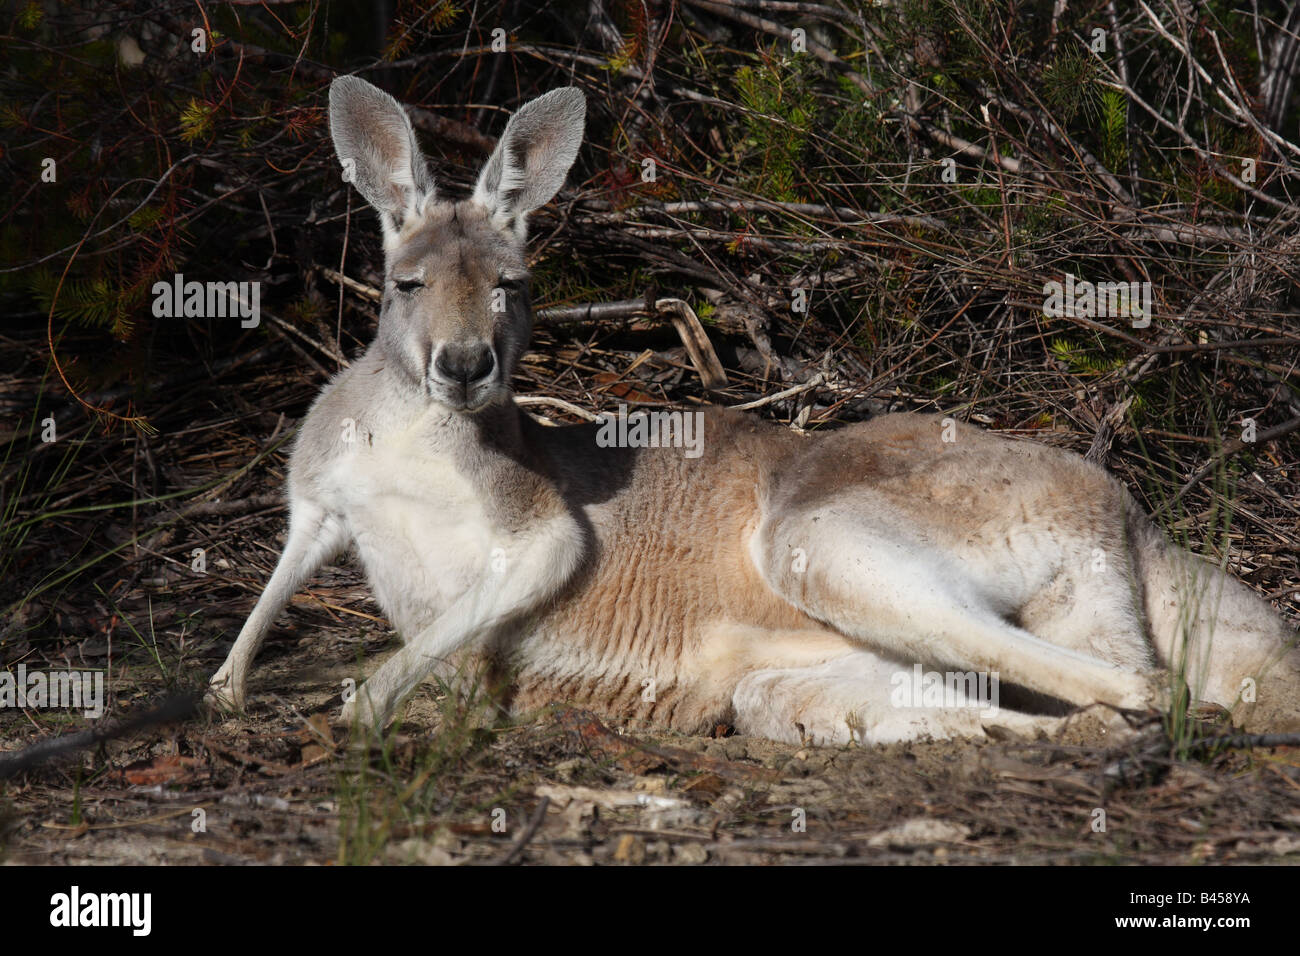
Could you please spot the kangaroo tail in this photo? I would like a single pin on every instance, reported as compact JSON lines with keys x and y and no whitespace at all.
{"x":1233,"y":647}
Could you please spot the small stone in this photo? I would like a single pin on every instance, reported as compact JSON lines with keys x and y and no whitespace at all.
{"x":692,"y":854}
{"x":920,"y":831}
{"x":567,"y":770}
{"x":729,"y":801}
{"x":630,"y":849}
{"x":418,"y":852}
{"x":735,"y":748}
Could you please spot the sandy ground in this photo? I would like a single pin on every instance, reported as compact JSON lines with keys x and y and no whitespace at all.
{"x":279,"y":785}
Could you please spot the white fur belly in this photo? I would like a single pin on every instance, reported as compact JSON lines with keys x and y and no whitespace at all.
{"x":419,"y":529}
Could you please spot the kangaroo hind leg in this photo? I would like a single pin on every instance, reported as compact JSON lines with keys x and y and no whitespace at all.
{"x":865,"y":699}
{"x":916,"y":603}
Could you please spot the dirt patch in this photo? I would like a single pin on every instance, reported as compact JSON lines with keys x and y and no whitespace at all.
{"x":280,"y":786}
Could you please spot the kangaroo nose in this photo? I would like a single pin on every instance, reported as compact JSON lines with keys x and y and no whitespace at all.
{"x":465,"y":364}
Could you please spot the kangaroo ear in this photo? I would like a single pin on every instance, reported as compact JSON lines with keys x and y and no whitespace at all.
{"x":533,"y":157}
{"x":376,"y":145}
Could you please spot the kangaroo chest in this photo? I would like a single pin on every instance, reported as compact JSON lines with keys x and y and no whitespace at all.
{"x":419,"y":524}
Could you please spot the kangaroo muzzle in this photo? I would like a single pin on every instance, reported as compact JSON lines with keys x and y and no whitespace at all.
{"x":464,"y":374}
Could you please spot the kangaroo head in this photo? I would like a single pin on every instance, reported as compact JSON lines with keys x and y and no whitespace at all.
{"x":456,"y":315}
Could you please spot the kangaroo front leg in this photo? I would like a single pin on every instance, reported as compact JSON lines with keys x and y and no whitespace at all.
{"x":315,"y":536}
{"x":513,"y":586}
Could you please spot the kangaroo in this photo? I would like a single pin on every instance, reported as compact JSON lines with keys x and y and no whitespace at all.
{"x":776,"y":582}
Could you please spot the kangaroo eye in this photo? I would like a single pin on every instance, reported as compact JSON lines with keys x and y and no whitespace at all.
{"x":408,"y":285}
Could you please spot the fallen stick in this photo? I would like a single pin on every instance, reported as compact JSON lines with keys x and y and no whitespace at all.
{"x":636,"y":757}
{"x":533,"y":824}
{"x":177,"y":707}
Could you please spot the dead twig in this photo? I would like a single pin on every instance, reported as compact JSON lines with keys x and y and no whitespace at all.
{"x":1229,"y":449}
{"x":534,"y":823}
{"x":177,"y":707}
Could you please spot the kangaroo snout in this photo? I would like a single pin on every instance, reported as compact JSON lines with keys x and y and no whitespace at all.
{"x":464,"y":372}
